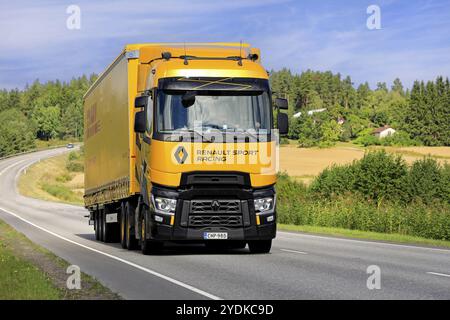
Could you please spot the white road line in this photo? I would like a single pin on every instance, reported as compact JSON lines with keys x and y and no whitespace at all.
{"x":154,"y":273}
{"x":293,"y":251}
{"x":304,"y":235}
{"x":439,"y":274}
{"x":12,"y":165}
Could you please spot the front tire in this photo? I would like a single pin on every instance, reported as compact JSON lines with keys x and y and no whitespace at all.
{"x":130,"y":239}
{"x":260,"y":246}
{"x":148,"y":246}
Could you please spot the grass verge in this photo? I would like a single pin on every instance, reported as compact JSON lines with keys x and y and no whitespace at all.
{"x":57,"y":179}
{"x":365,"y":235}
{"x":29,"y":271}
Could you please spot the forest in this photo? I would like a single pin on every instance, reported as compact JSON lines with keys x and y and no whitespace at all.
{"x":45,"y":111}
{"x":421,"y":115}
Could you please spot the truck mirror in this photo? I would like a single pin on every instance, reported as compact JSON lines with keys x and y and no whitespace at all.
{"x":283,"y":123}
{"x":140,"y":102}
{"x":188,"y":99}
{"x":139,"y":122}
{"x":281,"y":103}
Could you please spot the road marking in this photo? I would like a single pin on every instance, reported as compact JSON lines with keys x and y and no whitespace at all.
{"x":12,"y":165}
{"x":154,"y":273}
{"x":358,"y":241}
{"x":439,"y":274}
{"x":293,"y":251}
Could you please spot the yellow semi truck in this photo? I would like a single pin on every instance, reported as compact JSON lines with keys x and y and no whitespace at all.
{"x":179,"y":147}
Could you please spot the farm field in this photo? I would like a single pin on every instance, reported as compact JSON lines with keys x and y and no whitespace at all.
{"x":306,"y":163}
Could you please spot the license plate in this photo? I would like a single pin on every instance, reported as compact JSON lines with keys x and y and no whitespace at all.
{"x":215,"y":235}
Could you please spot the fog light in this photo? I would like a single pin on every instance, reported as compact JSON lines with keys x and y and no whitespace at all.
{"x":158,"y":219}
{"x":269,"y":218}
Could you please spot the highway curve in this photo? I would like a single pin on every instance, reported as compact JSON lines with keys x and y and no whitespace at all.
{"x":299,"y":267}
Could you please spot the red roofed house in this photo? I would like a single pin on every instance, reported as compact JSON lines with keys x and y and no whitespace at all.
{"x":383,"y":132}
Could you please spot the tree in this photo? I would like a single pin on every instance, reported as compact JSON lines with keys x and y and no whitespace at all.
{"x":398,"y":86}
{"x":16,"y":133}
{"x":47,"y":122}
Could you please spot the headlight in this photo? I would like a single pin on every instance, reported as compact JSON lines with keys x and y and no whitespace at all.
{"x":165,"y":205}
{"x":263,"y":204}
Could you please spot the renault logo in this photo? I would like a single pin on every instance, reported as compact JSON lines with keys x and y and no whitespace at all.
{"x":215,"y":205}
{"x":181,"y":154}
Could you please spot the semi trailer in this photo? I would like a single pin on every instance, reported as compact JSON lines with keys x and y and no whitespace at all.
{"x":180,"y":147}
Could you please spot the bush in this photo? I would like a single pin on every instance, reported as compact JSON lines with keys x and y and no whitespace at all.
{"x":400,"y":139}
{"x":73,"y":166}
{"x":73,"y":155}
{"x":336,"y":180}
{"x":426,"y":180}
{"x":367,"y":140}
{"x":296,"y":205}
{"x":379,"y":176}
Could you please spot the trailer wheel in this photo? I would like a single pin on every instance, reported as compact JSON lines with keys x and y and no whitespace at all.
{"x":101,"y":225}
{"x":130,"y":239}
{"x":110,"y":230}
{"x":96,"y":226}
{"x":122,"y":222}
{"x":260,"y":246}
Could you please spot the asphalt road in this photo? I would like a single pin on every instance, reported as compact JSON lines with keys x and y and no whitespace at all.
{"x":299,"y":267}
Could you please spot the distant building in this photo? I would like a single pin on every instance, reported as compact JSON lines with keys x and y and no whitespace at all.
{"x":383,"y":132}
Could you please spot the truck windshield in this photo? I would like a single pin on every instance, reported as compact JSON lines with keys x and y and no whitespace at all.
{"x":226,"y":111}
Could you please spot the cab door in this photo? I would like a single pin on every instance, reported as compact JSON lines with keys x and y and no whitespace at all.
{"x":143,"y":142}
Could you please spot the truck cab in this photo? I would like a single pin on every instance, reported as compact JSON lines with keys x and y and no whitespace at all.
{"x":203,"y":149}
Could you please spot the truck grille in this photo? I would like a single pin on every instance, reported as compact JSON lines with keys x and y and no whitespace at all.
{"x":216,"y":207}
{"x":215,"y":221}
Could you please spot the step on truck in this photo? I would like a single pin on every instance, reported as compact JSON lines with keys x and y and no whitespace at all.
{"x":180,"y":147}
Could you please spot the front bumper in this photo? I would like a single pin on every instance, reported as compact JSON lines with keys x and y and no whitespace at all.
{"x":177,"y":228}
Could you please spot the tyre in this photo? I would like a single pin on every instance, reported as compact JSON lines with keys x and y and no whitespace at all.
{"x":97,"y":226}
{"x":130,"y":239}
{"x":122,"y":223}
{"x":260,"y":246}
{"x":109,"y":229}
{"x":101,"y":225}
{"x":148,"y":246}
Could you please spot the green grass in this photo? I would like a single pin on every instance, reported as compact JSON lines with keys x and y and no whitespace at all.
{"x":28,"y":272}
{"x":20,"y":279}
{"x":57,"y":179}
{"x":61,"y":192}
{"x":366,"y":235}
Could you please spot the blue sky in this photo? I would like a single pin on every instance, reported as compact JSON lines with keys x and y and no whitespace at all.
{"x":414,"y":42}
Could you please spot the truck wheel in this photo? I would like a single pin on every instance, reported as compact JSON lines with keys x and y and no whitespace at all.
{"x":96,"y":226}
{"x":260,"y":246}
{"x":122,"y":221}
{"x":148,"y":246}
{"x":109,"y":229}
{"x":130,"y":239}
{"x":101,"y":226}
